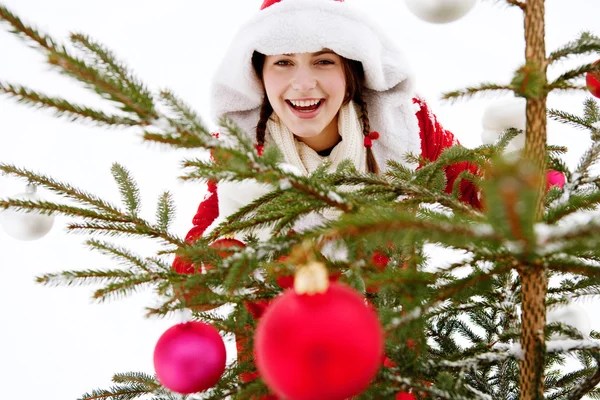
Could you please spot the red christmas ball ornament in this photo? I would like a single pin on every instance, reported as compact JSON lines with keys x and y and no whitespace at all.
{"x":189,"y":357}
{"x":322,"y":346}
{"x":183,"y":266}
{"x":405,"y":396}
{"x":592,"y":81}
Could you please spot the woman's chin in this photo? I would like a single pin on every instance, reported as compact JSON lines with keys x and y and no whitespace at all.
{"x":306,"y":134}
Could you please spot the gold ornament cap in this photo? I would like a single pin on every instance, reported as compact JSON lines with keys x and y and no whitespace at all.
{"x":311,"y":278}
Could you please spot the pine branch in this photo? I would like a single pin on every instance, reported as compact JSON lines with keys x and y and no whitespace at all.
{"x":130,"y":228}
{"x":591,"y":111}
{"x":130,"y":194}
{"x":92,"y":78}
{"x":121,"y":254}
{"x":60,"y":188}
{"x":472,"y":91}
{"x":104,"y":60}
{"x":166,"y":309}
{"x":587,"y":161}
{"x":165,"y":211}
{"x":568,"y":87}
{"x":584,"y":387}
{"x":118,"y":393}
{"x":241,"y":141}
{"x":186,"y":116}
{"x":136,"y":377}
{"x":567,"y":118}
{"x":259,"y":214}
{"x":62,"y":107}
{"x":479,"y":360}
{"x":80,"y":277}
{"x":576,"y":203}
{"x":585,"y":44}
{"x":455,"y":288}
{"x":574,"y":265}
{"x":124,"y":288}
{"x":588,"y":286}
{"x":174,"y":140}
{"x":557,"y":239}
{"x":564,"y":80}
{"x":28,"y":33}
{"x":103,"y":85}
{"x":49,"y":208}
{"x":112,"y":219}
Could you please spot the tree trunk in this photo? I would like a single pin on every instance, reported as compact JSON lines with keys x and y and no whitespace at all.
{"x":534,"y":279}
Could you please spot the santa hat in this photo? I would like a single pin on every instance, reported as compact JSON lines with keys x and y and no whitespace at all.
{"x":307,"y":26}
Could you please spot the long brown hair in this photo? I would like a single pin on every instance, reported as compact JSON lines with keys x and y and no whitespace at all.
{"x":355,"y":83}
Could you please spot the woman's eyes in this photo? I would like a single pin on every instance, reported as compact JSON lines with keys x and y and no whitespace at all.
{"x":320,"y":62}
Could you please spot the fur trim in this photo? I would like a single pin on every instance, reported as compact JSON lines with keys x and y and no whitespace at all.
{"x":299,"y":26}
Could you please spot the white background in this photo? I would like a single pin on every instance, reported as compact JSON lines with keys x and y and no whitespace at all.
{"x":55,"y":343}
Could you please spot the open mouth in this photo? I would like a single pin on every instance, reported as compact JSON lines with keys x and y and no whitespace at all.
{"x":306,"y":106}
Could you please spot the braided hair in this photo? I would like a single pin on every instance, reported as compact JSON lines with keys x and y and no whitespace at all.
{"x":355,"y":80}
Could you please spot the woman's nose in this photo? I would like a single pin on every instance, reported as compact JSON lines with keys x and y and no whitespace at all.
{"x":303,"y":80}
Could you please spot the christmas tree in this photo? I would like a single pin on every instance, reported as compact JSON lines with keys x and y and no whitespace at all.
{"x":481,"y":335}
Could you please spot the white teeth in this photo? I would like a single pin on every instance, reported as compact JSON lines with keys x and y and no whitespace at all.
{"x":304,"y":103}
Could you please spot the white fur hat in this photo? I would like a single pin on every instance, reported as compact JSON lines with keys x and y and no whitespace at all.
{"x":303,"y":26}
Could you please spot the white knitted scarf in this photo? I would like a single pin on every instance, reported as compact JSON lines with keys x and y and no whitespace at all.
{"x":307,"y":160}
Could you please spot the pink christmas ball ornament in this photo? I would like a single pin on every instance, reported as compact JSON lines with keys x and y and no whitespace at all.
{"x":554,"y":178}
{"x":189,"y":357}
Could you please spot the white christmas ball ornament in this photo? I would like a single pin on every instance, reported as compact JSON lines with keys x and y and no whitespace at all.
{"x":440,"y":11}
{"x":26,"y":225}
{"x":502,"y":115}
{"x":571,"y":314}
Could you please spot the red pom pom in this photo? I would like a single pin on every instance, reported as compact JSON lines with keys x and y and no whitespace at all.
{"x":405,"y":396}
{"x":324,"y":346}
{"x":189,"y":357}
{"x":370,"y":137}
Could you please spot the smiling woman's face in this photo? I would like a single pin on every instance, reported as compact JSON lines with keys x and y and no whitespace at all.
{"x":306,"y":91}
